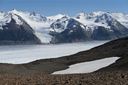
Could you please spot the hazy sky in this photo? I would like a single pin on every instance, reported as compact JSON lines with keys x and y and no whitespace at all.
{"x":69,"y":7}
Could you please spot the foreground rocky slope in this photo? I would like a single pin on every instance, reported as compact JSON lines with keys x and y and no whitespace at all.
{"x":100,"y":78}
{"x":113,"y":48}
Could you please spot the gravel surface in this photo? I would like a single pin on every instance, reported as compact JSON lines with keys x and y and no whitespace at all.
{"x":98,"y":78}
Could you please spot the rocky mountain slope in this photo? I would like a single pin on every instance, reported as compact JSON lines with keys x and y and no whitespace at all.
{"x":15,"y":30}
{"x":85,"y":27}
{"x":82,"y":27}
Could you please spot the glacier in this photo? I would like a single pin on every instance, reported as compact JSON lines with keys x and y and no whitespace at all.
{"x":18,"y":54}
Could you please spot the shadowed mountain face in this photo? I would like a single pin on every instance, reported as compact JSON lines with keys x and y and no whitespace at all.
{"x":74,"y":30}
{"x":13,"y":33}
{"x":74,"y":33}
{"x":115,"y":48}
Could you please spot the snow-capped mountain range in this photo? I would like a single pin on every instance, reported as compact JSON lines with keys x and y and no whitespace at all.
{"x":62,"y":28}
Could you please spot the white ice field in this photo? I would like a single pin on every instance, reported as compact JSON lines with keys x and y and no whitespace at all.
{"x":18,"y":54}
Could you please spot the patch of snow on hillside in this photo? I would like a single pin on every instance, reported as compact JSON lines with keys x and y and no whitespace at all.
{"x":71,"y":31}
{"x":4,"y":19}
{"x":82,"y":26}
{"x":17,"y":20}
{"x":74,"y":25}
{"x":87,"y":67}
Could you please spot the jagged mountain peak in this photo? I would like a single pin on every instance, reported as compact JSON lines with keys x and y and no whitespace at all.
{"x":33,"y":13}
{"x":8,"y":17}
{"x":60,"y":24}
{"x":104,"y":17}
{"x":118,"y":15}
{"x":30,"y":17}
{"x":65,"y":16}
{"x":97,"y":13}
{"x":59,"y":15}
{"x":55,"y":17}
{"x":37,"y":17}
{"x":81,"y":14}
{"x":122,"y":18}
{"x":94,"y":19}
{"x":16,"y":11}
{"x":2,"y":12}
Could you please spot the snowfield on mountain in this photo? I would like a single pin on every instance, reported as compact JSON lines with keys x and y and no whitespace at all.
{"x":62,"y":28}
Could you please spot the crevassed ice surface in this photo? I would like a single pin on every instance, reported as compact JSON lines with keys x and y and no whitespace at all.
{"x":87,"y":67}
{"x":18,"y":54}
